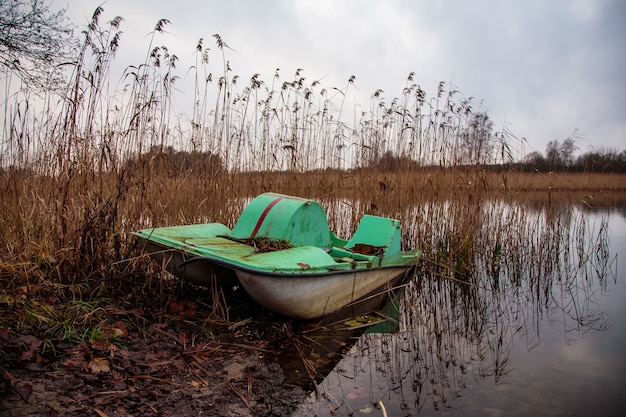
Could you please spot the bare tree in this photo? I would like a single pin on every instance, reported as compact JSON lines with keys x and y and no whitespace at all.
{"x":560,"y":155}
{"x":552,"y":154}
{"x":566,"y":152}
{"x":34,"y":41}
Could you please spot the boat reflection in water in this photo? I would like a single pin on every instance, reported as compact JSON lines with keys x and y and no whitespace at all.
{"x":500,"y":325}
{"x":315,"y":347}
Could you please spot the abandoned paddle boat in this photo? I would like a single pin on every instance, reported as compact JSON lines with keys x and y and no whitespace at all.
{"x":283,"y":253}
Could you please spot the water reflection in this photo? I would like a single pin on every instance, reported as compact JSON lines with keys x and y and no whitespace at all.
{"x":493,"y":298}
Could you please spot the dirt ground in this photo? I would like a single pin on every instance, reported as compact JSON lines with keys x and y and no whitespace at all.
{"x":167,"y":351}
{"x":154,"y":376}
{"x":127,"y":383}
{"x":175,"y":360}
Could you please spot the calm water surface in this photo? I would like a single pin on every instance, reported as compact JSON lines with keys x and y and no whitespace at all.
{"x":542,"y":337}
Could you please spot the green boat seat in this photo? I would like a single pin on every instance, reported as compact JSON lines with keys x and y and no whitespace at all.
{"x":377,"y":236}
{"x":298,"y":221}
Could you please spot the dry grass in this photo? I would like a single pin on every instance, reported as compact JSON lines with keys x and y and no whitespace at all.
{"x":83,"y":222}
{"x":65,"y":239}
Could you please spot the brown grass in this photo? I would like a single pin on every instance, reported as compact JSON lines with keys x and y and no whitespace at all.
{"x":80,"y":170}
{"x":83,"y":222}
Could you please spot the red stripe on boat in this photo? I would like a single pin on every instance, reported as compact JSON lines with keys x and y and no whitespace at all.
{"x":263,"y":215}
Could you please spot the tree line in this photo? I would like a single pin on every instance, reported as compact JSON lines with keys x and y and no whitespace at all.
{"x":171,"y":162}
{"x":560,"y":157}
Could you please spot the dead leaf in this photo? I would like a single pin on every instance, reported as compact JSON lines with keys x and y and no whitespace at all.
{"x":119,"y":329}
{"x":98,"y":365}
{"x":183,"y":339}
{"x":31,"y":343}
{"x":25,"y":389}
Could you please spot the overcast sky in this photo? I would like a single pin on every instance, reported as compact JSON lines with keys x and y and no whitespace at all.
{"x":548,"y":69}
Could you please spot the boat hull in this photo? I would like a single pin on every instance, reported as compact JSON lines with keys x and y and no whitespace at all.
{"x":284,"y":255}
{"x":309,"y":297}
{"x":192,"y":269}
{"x":299,"y":296}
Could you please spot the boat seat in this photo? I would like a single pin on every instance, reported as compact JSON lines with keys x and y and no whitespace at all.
{"x":376,"y":236}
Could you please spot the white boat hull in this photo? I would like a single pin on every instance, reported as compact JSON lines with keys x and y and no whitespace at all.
{"x":309,"y":297}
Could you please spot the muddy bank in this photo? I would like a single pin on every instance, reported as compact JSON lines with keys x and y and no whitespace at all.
{"x":154,"y":376}
{"x":240,"y":385}
{"x":130,"y":357}
{"x":178,"y":353}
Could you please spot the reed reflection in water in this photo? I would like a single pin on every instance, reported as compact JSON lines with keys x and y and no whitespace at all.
{"x":499,"y":323}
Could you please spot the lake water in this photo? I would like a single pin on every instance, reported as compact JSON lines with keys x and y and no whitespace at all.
{"x":540,"y":331}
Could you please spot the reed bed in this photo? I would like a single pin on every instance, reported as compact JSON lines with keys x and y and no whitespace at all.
{"x":81,"y":169}
{"x":88,"y":218}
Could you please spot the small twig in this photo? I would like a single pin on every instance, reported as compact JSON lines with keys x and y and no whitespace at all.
{"x":240,"y":395}
{"x":240,"y":345}
{"x":167,"y":381}
{"x":107,"y":393}
{"x":240,"y":323}
{"x":382,"y":406}
{"x":249,"y":384}
{"x":163,"y":332}
{"x":100,"y":413}
{"x":11,"y":382}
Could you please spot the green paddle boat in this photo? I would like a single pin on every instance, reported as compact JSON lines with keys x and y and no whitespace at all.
{"x":284,"y":255}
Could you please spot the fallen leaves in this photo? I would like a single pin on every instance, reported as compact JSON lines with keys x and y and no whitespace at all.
{"x":23,"y":389}
{"x":64,"y":357}
{"x":98,"y":365}
{"x":184,"y":308}
{"x":28,"y":345}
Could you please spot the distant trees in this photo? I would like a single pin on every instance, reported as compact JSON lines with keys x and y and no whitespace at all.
{"x":389,"y":162}
{"x":560,"y":157}
{"x":534,"y":161}
{"x":170,"y":162}
{"x":602,"y":161}
{"x":473,"y":143}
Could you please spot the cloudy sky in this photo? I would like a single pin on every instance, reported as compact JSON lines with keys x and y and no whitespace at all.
{"x":548,"y":70}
